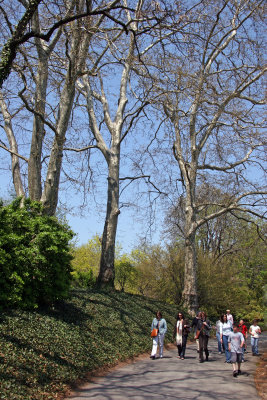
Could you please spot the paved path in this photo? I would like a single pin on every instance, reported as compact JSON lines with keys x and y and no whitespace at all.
{"x":170,"y":378}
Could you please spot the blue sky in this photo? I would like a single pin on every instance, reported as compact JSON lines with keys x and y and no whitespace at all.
{"x":131,"y":228}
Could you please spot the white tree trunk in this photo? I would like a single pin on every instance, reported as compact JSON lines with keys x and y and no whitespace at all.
{"x":78,"y":54}
{"x":16,"y":175}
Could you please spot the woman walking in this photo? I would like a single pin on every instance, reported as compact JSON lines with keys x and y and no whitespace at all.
{"x":180,"y":334}
{"x":160,"y":324}
{"x":225,"y":329}
{"x":218,"y":335}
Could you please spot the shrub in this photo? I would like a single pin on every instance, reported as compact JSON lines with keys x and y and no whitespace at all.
{"x":34,"y":256}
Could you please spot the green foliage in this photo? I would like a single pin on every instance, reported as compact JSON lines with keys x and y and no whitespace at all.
{"x":235,"y":276}
{"x":231,"y":269}
{"x":85,"y":263}
{"x":34,"y":256}
{"x":42,"y":352}
{"x":125,"y":273}
{"x":159,"y":272}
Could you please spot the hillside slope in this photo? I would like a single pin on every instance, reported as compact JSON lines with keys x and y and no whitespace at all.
{"x":42,"y":352}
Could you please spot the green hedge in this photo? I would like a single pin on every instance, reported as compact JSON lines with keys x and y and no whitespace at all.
{"x":42,"y":352}
{"x":34,"y":256}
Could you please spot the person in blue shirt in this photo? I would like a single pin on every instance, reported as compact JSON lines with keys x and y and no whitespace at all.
{"x":160,"y":324}
{"x":226,"y":328}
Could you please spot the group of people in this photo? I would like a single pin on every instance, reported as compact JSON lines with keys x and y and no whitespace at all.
{"x":231,"y":337}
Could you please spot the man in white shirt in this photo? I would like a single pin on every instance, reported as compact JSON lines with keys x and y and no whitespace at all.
{"x":255,"y":332}
{"x":229,"y":317}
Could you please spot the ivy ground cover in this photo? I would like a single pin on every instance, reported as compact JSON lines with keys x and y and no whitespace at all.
{"x":45,"y":351}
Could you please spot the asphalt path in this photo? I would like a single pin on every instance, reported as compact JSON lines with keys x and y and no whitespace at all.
{"x":170,"y":378}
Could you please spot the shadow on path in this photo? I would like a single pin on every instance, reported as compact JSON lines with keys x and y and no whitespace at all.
{"x":171,"y":378}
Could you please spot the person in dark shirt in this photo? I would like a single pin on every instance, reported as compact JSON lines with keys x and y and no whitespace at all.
{"x":194,"y":327}
{"x":202,"y":333}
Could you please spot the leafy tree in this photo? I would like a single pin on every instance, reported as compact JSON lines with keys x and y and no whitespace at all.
{"x":125,"y":273}
{"x":159,"y":272}
{"x":85,"y":263}
{"x":34,"y":256}
{"x":231,"y":260}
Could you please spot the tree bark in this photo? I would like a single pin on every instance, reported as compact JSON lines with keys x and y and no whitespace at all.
{"x":9,"y":50}
{"x":106,"y":274}
{"x":38,"y":133}
{"x":77,"y":58}
{"x":51,"y":188}
{"x":189,"y":294}
{"x":17,"y":181}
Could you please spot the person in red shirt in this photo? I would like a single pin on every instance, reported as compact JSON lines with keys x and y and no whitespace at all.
{"x":244,"y":330}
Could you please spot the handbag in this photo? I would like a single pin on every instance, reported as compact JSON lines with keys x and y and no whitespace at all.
{"x":154,"y":332}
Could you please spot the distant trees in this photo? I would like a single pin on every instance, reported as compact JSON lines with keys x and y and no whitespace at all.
{"x":85,"y":263}
{"x":233,"y":276}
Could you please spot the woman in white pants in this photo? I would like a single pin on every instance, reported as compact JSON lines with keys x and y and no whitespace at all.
{"x":160,"y":324}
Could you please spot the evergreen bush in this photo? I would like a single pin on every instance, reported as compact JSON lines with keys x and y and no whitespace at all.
{"x":34,"y":256}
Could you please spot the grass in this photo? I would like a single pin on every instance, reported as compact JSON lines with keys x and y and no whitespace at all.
{"x":45,"y":351}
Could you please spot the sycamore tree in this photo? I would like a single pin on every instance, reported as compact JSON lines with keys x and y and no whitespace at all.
{"x":113,"y":106}
{"x":37,"y":99}
{"x":208,"y":80}
{"x":23,"y":30}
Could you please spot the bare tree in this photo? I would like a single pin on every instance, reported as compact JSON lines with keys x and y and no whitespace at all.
{"x":55,"y":65}
{"x":117,"y":127}
{"x":19,"y":37}
{"x":209,"y":82}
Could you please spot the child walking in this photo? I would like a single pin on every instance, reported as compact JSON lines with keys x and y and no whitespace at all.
{"x":235,"y":343}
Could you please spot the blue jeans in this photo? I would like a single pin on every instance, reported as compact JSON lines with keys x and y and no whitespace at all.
{"x":227,"y":352}
{"x":218,"y":336}
{"x":254,"y":345}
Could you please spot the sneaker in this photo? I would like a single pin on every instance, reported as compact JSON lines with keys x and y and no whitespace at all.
{"x":152,"y":357}
{"x":161,"y":357}
{"x":235,"y":374}
{"x":220,"y":352}
{"x":201,"y":361}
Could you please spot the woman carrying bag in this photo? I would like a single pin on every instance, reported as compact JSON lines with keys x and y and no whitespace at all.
{"x":158,"y":330}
